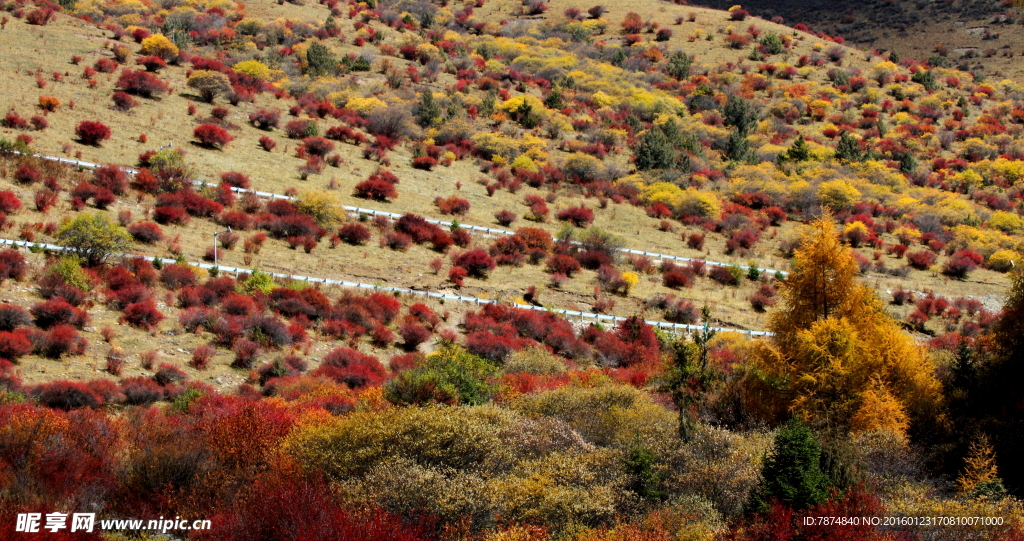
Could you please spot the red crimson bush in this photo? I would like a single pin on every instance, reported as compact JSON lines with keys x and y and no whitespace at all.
{"x":476,"y":261}
{"x":212,"y":135}
{"x":91,"y":133}
{"x":354,"y":233}
{"x":141,"y":83}
{"x":579,"y":216}
{"x":376,"y":189}
{"x":348,"y":366}
{"x":146,"y":232}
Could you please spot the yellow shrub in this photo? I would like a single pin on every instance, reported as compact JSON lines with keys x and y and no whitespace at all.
{"x":909,"y":233}
{"x":428,"y":51}
{"x":1012,"y":171}
{"x":1006,"y":222}
{"x":159,"y":45}
{"x":698,"y":203}
{"x":1003,"y":260}
{"x":838,"y":194}
{"x":524,"y":163}
{"x":631,"y":280}
{"x":954,"y":211}
{"x":249,"y":26}
{"x":663,"y":192}
{"x":365,"y":105}
{"x":969,"y":179}
{"x":855,"y":226}
{"x":253,"y":68}
{"x":883,"y":70}
{"x":322,"y":206}
{"x":583,"y":165}
{"x":601,"y":99}
{"x":497,"y":144}
{"x":515,"y":104}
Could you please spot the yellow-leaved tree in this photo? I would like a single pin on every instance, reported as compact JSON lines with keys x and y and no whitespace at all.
{"x":837,"y":359}
{"x":980,"y":471}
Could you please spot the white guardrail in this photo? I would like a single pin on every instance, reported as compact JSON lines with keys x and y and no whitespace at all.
{"x":374,"y":212}
{"x":568,"y":314}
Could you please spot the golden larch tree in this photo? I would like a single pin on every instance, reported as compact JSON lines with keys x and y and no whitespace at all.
{"x":837,"y":359}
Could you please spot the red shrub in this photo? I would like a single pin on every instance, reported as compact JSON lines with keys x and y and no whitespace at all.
{"x":579,"y":216}
{"x":111,"y":177}
{"x":176,"y":276}
{"x":141,"y":83}
{"x":305,"y":508}
{"x":477,"y":262}
{"x":743,"y":239}
{"x":355,"y":369}
{"x":12,"y":317}
{"x":695,"y":241}
{"x":381,"y":336}
{"x":266,"y":143}
{"x":245,"y":353}
{"x":103,"y":198}
{"x":494,"y":347}
{"x":212,"y":135}
{"x":45,"y":199}
{"x":9,"y":202}
{"x":170,"y":215}
{"x":57,"y":311}
{"x":722,"y":275}
{"x":14,"y":345}
{"x":146,"y":232}
{"x":456,"y":275}
{"x":26,"y":174}
{"x":761,"y":302}
{"x":424,"y":162}
{"x":91,"y":133}
{"x":354,"y":233}
{"x":237,"y":180}
{"x":961,"y":264}
{"x":237,"y":304}
{"x":562,"y":264}
{"x":678,"y":277}
{"x":297,"y":129}
{"x":60,"y":340}
{"x":921,"y":260}
{"x":14,"y":121}
{"x":168,"y":374}
{"x":413,"y":335}
{"x":104,"y":65}
{"x":423,"y":313}
{"x":659,"y":210}
{"x":462,"y":237}
{"x":236,"y":220}
{"x":143,"y":314}
{"x":67,"y":395}
{"x":505,"y":217}
{"x":39,"y":17}
{"x":452,"y":205}
{"x":317,"y":146}
{"x":265,"y":119}
{"x":39,"y":123}
{"x":151,"y":63}
{"x":375,"y":189}
{"x":140,"y":390}
{"x":123,"y":101}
